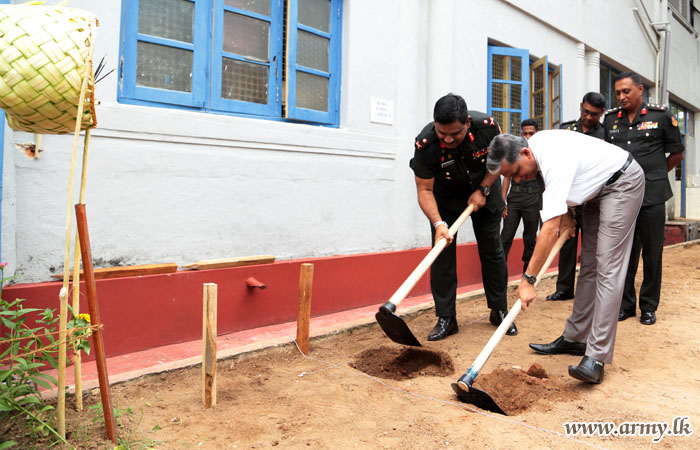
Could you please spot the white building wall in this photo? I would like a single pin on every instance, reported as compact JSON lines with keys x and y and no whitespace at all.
{"x":168,"y":185}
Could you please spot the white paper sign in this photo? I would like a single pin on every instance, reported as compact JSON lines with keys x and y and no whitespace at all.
{"x":381,"y":110}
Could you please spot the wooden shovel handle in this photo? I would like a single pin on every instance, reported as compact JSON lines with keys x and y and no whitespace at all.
{"x":422,"y":267}
{"x":514,"y":311}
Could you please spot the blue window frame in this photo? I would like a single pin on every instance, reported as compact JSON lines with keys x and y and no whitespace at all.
{"x":272,"y":59}
{"x":508,"y":87}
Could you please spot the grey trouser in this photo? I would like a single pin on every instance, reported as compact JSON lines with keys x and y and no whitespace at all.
{"x":609,"y":220}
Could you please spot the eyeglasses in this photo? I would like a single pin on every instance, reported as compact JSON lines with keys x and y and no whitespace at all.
{"x":593,"y":114}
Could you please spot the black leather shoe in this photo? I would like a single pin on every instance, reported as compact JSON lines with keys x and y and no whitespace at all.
{"x":648,"y":318}
{"x":560,"y":295}
{"x":589,"y":370}
{"x":624,"y":315}
{"x":497,"y":316}
{"x":445,"y":326}
{"x":560,"y":346}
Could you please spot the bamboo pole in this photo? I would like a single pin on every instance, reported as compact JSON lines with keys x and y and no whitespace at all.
{"x":209,"y":319}
{"x":77,"y":357}
{"x":93,"y":306}
{"x":306,"y":277}
{"x":63,"y":294}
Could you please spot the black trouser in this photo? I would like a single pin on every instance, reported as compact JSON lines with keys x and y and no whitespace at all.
{"x":567,"y":257}
{"x":443,"y":272}
{"x":525,"y":207}
{"x":649,"y":238}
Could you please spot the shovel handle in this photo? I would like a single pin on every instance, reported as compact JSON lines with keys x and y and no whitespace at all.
{"x":422,"y":267}
{"x":475,"y":368}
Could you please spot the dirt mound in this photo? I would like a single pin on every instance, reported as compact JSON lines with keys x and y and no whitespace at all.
{"x":403,"y":363}
{"x":515,"y":390}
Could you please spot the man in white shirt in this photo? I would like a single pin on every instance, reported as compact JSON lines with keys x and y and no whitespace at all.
{"x":610,"y":185}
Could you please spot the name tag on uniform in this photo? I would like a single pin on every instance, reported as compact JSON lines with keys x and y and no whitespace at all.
{"x":647,"y":125}
{"x":448,"y":163}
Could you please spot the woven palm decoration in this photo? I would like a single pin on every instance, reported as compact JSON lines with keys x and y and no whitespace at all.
{"x":43,"y":55}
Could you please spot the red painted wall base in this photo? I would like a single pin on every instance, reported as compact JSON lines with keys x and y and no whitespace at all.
{"x":149,"y":311}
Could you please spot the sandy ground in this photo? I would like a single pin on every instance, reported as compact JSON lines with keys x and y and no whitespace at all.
{"x":279,"y":398}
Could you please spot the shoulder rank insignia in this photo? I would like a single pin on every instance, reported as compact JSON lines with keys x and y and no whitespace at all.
{"x":613,"y":110}
{"x":674,"y":121}
{"x":656,"y":107}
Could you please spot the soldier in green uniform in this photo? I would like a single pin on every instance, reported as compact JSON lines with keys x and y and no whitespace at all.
{"x":648,"y":132}
{"x":592,"y":108}
{"x":449,"y":164}
{"x":522,"y":202}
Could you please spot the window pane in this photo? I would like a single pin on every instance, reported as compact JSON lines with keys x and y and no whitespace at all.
{"x":499,"y":95}
{"x":312,"y":92}
{"x":515,"y":97}
{"x":258,"y":6}
{"x":538,"y":81}
{"x":515,"y":69}
{"x":515,"y":123}
{"x":170,"y":19}
{"x":498,"y":68}
{"x":244,"y":81}
{"x":246,"y":36}
{"x":312,"y":51}
{"x":164,"y":67}
{"x":315,"y":14}
{"x":498,"y":116}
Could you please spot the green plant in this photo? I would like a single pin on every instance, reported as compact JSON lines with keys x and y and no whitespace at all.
{"x":28,"y":346}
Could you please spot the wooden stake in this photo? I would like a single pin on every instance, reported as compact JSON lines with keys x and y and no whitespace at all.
{"x":306,"y":278}
{"x":209,"y":345}
{"x":63,"y":294}
{"x":93,"y":306}
{"x":77,"y":357}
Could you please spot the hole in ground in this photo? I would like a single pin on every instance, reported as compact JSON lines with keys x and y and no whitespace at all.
{"x":515,"y":390}
{"x":403,"y":363}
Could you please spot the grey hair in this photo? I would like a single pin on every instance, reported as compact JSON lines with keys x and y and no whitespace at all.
{"x":504,"y":146}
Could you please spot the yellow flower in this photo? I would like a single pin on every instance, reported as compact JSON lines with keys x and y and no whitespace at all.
{"x":85,"y":317}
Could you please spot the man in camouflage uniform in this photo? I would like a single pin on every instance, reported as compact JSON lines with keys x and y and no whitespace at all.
{"x":449,"y":164}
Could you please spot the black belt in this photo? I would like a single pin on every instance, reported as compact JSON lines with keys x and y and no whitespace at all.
{"x":617,"y":174}
{"x":528,"y":190}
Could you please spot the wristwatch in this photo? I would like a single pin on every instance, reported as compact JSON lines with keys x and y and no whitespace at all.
{"x":529,"y":278}
{"x":486,"y":190}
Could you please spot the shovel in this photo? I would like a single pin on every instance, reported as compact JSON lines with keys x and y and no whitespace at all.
{"x":463,"y":387}
{"x":393,"y":325}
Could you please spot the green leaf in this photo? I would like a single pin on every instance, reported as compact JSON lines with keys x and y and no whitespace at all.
{"x":156,"y":428}
{"x":7,"y":444}
{"x":8,"y":323}
{"x":43,"y":383}
{"x":28,"y":399}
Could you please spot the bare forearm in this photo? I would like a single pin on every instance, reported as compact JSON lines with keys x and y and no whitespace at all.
{"x":427,"y":203}
{"x":673,"y":160}
{"x":545,"y":242}
{"x":504,"y":188}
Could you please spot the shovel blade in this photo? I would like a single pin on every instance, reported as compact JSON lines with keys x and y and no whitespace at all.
{"x":477,"y":397}
{"x":395,"y":328}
